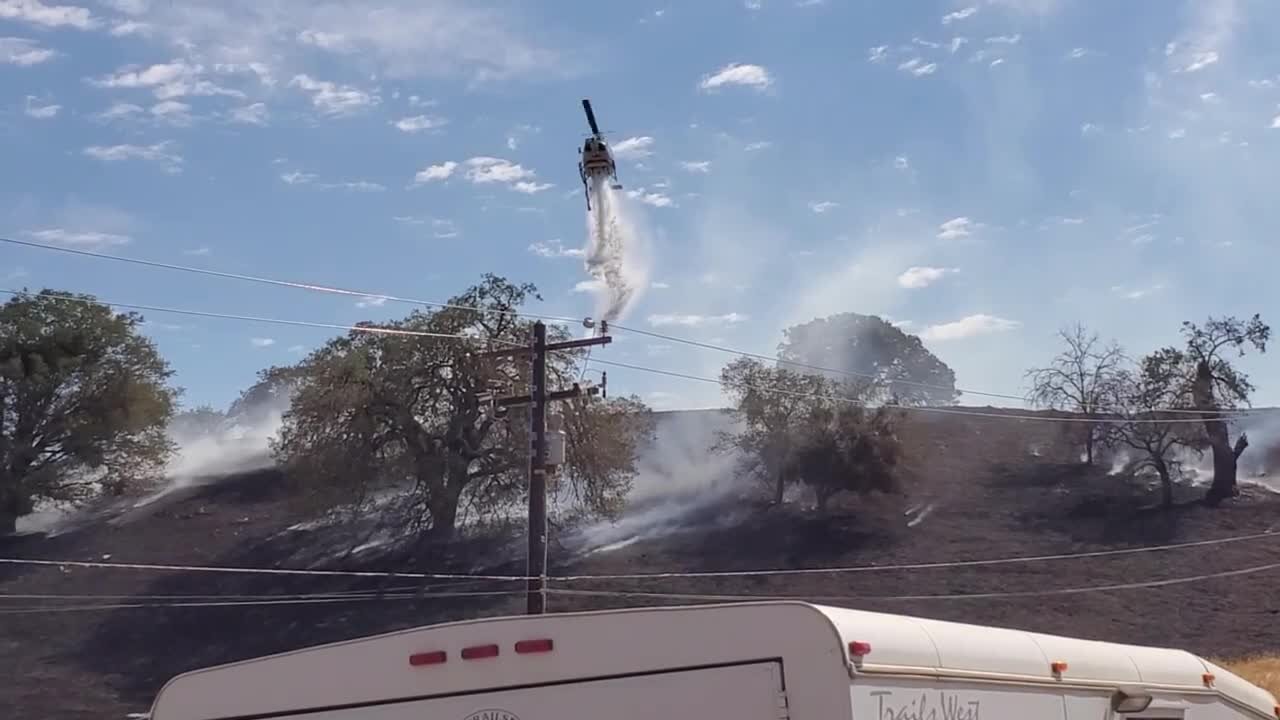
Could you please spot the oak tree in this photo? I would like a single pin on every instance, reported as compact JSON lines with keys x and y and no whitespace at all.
{"x":84,"y":402}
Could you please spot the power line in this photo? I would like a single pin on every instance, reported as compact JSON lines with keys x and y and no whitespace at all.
{"x":928,"y":565}
{"x":949,"y":596}
{"x":255,"y":571}
{"x":372,"y":329}
{"x":415,"y":333}
{"x":316,"y":287}
{"x":1017,"y":559}
{"x":806,"y":366}
{"x":913,"y":408}
{"x":250,"y":603}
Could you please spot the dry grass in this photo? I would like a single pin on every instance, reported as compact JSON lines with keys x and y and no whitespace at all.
{"x":1262,"y":670}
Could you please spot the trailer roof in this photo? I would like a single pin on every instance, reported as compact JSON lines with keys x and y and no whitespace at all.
{"x":903,"y":643}
{"x":815,"y":639}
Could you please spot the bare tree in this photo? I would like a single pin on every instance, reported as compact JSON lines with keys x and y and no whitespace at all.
{"x":1081,"y":378}
{"x":1156,"y":392}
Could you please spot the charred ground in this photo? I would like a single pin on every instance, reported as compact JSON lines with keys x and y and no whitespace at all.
{"x":976,"y":488}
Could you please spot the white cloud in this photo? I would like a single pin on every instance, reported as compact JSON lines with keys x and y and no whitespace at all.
{"x":967,"y":327}
{"x":1077,"y":53}
{"x":697,"y":320}
{"x":878,"y":53}
{"x":297,"y":349}
{"x":74,"y":238}
{"x":758,"y":145}
{"x":355,"y":185}
{"x":255,"y":114}
{"x":370,"y":301}
{"x":198,"y":252}
{"x":955,"y":228}
{"x":958,"y":15}
{"x":823,"y":206}
{"x":331,"y":98}
{"x":529,"y":187}
{"x":23,"y":52}
{"x":125,"y":28}
{"x":555,"y":249}
{"x":1136,"y":293}
{"x":336,"y":42}
{"x":1275,"y":123}
{"x":696,"y":166}
{"x":444,"y":229}
{"x":923,"y":276}
{"x":634,"y":148}
{"x":419,"y":123}
{"x":901,"y":163}
{"x":1005,"y":39}
{"x":656,"y":199}
{"x":482,"y":170}
{"x":166,"y":80}
{"x":262,"y":342}
{"x":1088,"y":129}
{"x":1201,"y":60}
{"x":738,"y":74}
{"x":997,"y":62}
{"x":432,"y":173}
{"x":37,"y":12}
{"x":918,"y":67}
{"x":297,"y":177}
{"x":172,"y":112}
{"x":40,"y":112}
{"x":160,"y":152}
{"x":117,"y":111}
{"x":589,"y":286}
{"x":659,"y":285}
{"x":956,"y":44}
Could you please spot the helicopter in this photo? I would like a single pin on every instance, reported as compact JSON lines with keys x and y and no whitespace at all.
{"x":596,"y":160}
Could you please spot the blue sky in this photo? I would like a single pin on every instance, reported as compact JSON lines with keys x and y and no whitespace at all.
{"x":982,"y":171}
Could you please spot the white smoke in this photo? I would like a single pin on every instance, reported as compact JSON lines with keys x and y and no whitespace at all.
{"x":679,"y":479}
{"x":616,"y":253}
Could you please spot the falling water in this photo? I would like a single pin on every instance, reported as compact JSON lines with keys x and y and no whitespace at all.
{"x":615,"y":253}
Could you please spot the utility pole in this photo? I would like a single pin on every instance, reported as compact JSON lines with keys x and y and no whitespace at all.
{"x":537,"y":400}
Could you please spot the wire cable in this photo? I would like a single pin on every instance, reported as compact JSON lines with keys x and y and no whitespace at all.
{"x":373,"y":329}
{"x":158,"y":567}
{"x":376,"y":329}
{"x":316,"y":287}
{"x":927,"y":565}
{"x":914,"y":408}
{"x":949,"y":596}
{"x":1013,"y":560}
{"x":252,"y":603}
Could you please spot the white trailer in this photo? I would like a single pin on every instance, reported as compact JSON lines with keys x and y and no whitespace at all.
{"x":749,"y":661}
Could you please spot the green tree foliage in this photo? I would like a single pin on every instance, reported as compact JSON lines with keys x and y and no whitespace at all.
{"x":84,"y":401}
{"x":802,"y":428}
{"x":847,"y":448}
{"x":1081,"y":379}
{"x":402,"y":414}
{"x":897,"y":365}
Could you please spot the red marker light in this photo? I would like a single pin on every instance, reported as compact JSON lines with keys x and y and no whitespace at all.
{"x":479,"y":652}
{"x":859,"y":649}
{"x":428,"y":658}
{"x":525,"y":647}
{"x":1058,"y":667}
